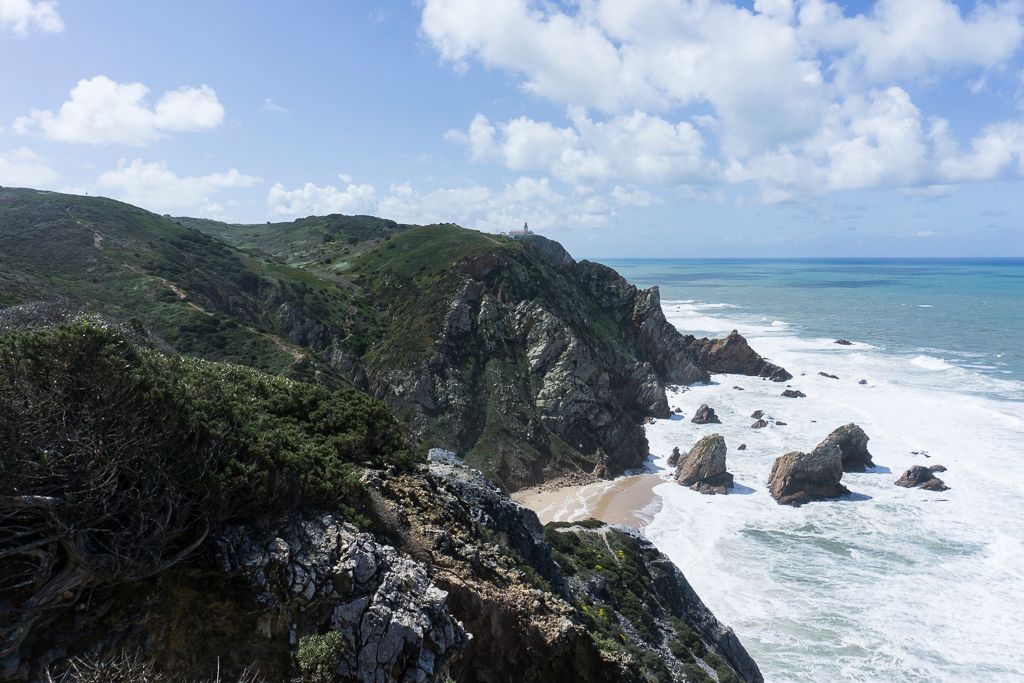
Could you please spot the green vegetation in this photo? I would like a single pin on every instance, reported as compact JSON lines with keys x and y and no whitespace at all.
{"x":319,"y":655}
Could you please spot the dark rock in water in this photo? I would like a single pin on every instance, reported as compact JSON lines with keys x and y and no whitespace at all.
{"x":673,"y":459}
{"x":677,"y":410}
{"x":799,"y":478}
{"x":738,"y":388}
{"x":703,"y":468}
{"x":780,"y":423}
{"x":760,"y":424}
{"x":794,"y":393}
{"x":844,"y":342}
{"x":733,"y":355}
{"x":937,"y":468}
{"x":825,"y":374}
{"x":920,"y":476}
{"x":852,"y":443}
{"x":742,"y":447}
{"x":863,"y":381}
{"x":757,"y":414}
{"x":705,"y":415}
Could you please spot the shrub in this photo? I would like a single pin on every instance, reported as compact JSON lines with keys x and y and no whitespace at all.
{"x":318,"y":656}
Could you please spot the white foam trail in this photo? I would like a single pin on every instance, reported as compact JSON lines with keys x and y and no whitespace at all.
{"x":898,"y":585}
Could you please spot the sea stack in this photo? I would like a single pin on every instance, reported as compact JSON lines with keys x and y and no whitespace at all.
{"x":922,"y":477}
{"x":705,"y":415}
{"x":852,"y":443}
{"x":799,"y":478}
{"x":703,"y":468}
{"x":673,"y":459}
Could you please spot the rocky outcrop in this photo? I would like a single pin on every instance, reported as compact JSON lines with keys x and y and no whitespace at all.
{"x":320,"y":574}
{"x":757,"y":414}
{"x":844,"y":342}
{"x":852,"y":443}
{"x":703,"y":468}
{"x":793,"y":393}
{"x":733,"y":355}
{"x":705,"y":415}
{"x":760,"y":423}
{"x":922,"y":477}
{"x":673,"y":459}
{"x":798,"y":478}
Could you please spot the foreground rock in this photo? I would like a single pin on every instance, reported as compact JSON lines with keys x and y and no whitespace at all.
{"x":799,"y":478}
{"x":852,"y":443}
{"x":922,"y":477}
{"x":733,"y":355}
{"x":705,"y":415}
{"x":703,"y":468}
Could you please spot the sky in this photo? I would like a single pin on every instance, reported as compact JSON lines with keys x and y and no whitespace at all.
{"x":622,"y":128}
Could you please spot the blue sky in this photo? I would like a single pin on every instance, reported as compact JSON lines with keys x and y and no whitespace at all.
{"x":619,"y":127}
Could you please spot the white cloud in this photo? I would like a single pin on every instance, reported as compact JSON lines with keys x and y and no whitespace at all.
{"x":23,"y":168}
{"x":23,"y":16}
{"x":155,"y":187}
{"x":272,"y":108}
{"x":797,"y":97}
{"x":102,"y":111}
{"x":312,"y":199}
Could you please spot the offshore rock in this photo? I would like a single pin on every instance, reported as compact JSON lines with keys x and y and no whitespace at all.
{"x":759,"y":424}
{"x":757,"y":414}
{"x":703,"y":468}
{"x":794,"y":393}
{"x":673,"y":459}
{"x":705,"y":415}
{"x":844,"y":342}
{"x":733,"y":355}
{"x":742,"y":447}
{"x":852,"y":443}
{"x":798,"y":478}
{"x":922,"y":477}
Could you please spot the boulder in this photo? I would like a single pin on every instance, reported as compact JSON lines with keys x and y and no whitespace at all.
{"x":703,"y":468}
{"x":677,"y":410}
{"x":852,"y":443}
{"x":794,"y":393}
{"x":760,"y":424}
{"x":922,"y":477}
{"x":705,"y":415}
{"x":780,"y":423}
{"x":799,"y":478}
{"x":742,"y":447}
{"x":863,"y":381}
{"x":738,"y":388}
{"x":673,"y":459}
{"x":844,"y":342}
{"x":757,"y":414}
{"x":825,"y":374}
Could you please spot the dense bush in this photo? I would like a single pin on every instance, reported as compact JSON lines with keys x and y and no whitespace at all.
{"x":118,"y":460}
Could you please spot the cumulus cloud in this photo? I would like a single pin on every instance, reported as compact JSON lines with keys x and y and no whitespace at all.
{"x":156,"y":187}
{"x":24,"y":168}
{"x":21,"y":17}
{"x":795,"y":97}
{"x":313,"y":199}
{"x":102,"y":111}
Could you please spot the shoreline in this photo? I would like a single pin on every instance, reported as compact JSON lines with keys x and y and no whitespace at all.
{"x":628,"y":500}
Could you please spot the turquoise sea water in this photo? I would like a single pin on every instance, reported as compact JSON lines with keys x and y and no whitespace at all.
{"x":968,"y":312}
{"x":885,"y":584}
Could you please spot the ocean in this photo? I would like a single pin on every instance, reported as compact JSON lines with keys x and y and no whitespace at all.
{"x":886,"y":584}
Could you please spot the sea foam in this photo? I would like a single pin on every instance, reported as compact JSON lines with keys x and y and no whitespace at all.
{"x":888,"y":584}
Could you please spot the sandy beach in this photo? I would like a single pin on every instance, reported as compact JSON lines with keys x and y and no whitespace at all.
{"x":626,"y":500}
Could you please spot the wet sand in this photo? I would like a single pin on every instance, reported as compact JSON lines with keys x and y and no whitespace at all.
{"x":626,"y":500}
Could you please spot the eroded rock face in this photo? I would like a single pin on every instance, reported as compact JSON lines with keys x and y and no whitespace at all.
{"x":798,"y":478}
{"x":852,"y":443}
{"x":733,"y":355}
{"x":705,"y":415}
{"x":922,"y":477}
{"x":318,"y":574}
{"x":703,"y":468}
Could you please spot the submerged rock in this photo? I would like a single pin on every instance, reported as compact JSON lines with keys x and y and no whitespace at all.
{"x":798,"y":478}
{"x":844,"y":342}
{"x":780,"y":423}
{"x":825,"y":374}
{"x":922,"y":477}
{"x":757,"y":414}
{"x":852,"y":443}
{"x":863,"y":381}
{"x":760,"y":424}
{"x":794,"y":393}
{"x":673,"y":459}
{"x":705,"y":415}
{"x":703,"y":468}
{"x":733,"y":355}
{"x":742,"y":447}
